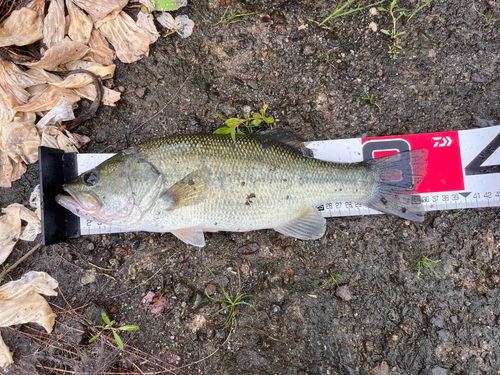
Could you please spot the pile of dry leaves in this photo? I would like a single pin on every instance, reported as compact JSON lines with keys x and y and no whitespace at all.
{"x":52,"y":54}
{"x":56,"y":52}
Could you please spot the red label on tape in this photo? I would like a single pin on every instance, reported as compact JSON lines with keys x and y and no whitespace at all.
{"x":444,"y":167}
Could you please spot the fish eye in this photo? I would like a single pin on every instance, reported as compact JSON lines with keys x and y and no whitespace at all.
{"x":90,"y":178}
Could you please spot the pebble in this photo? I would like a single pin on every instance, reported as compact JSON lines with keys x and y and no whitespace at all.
{"x":183,"y":291}
{"x":199,"y":300}
{"x":309,"y":50}
{"x":102,"y":135}
{"x":140,"y":92}
{"x":344,"y":293}
{"x":121,"y":88}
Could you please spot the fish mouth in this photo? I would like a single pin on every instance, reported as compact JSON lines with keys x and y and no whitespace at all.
{"x":82,"y":203}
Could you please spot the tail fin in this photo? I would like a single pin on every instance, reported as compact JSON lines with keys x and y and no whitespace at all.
{"x":397,"y":176}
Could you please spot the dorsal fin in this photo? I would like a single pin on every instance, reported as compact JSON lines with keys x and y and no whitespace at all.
{"x":285,"y":137}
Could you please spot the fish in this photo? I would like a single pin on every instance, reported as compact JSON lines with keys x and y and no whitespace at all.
{"x":191,"y":184}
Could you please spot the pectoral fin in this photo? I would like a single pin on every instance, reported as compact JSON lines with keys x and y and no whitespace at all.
{"x":187,"y":191}
{"x":309,"y":225}
{"x":191,"y":236}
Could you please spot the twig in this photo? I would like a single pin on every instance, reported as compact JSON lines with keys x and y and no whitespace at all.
{"x":90,"y":113}
{"x":20,"y":260}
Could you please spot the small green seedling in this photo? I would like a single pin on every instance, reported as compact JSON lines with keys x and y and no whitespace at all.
{"x":343,"y":9}
{"x":333,"y":279}
{"x":396,"y":14}
{"x":489,"y":20}
{"x":231,"y":15}
{"x":457,"y":214}
{"x":115,"y":330}
{"x":231,"y":304}
{"x":250,"y":123}
{"x":429,"y":263}
{"x":4,"y":268}
{"x":371,"y":99}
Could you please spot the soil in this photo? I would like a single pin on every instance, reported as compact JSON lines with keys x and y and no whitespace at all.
{"x":387,"y":321}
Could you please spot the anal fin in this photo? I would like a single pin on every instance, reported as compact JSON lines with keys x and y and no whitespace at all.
{"x":191,"y":236}
{"x":309,"y":225}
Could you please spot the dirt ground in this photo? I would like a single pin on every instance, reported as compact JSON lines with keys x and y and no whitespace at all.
{"x":445,"y":78}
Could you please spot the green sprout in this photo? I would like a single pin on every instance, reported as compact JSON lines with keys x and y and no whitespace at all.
{"x":457,"y":214}
{"x":115,"y":330}
{"x":333,"y":279}
{"x":489,"y":20}
{"x":429,"y":263}
{"x":4,"y":268}
{"x":231,"y":15}
{"x":249,"y":122}
{"x":342,"y":9}
{"x":371,"y":99}
{"x":231,"y":304}
{"x":396,"y":14}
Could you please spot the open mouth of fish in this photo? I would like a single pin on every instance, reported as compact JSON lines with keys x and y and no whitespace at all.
{"x":83,"y":204}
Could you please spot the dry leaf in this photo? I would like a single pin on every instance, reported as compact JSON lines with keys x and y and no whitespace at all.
{"x":23,"y":27}
{"x":109,"y":98}
{"x":39,"y":6}
{"x":52,"y":137}
{"x":10,"y":86}
{"x":43,"y":77}
{"x":7,"y":101}
{"x":10,"y":230}
{"x":64,"y":51}
{"x":78,"y":80}
{"x":20,"y":139}
{"x":98,"y":9}
{"x":167,"y":21}
{"x":47,"y":99}
{"x":99,"y":49}
{"x":21,"y":302}
{"x":131,"y":43}
{"x":54,"y":24}
{"x":80,"y":25}
{"x":77,"y":139}
{"x":62,"y":111}
{"x":5,"y":354}
{"x":146,"y":23}
{"x":185,"y":26}
{"x":22,"y":78}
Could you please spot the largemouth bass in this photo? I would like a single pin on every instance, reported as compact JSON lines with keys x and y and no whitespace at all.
{"x":190,"y":184}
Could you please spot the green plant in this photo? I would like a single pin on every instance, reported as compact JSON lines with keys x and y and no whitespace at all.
{"x":457,"y":214}
{"x":249,"y":122}
{"x":429,"y":263}
{"x":396,"y":14}
{"x":342,"y":9}
{"x":333,"y":279}
{"x":231,"y":304}
{"x":489,"y":20}
{"x":115,"y":330}
{"x":4,"y":268}
{"x":371,"y":99}
{"x":233,"y":16}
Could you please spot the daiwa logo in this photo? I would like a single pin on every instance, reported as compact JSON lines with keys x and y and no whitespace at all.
{"x":442,"y":141}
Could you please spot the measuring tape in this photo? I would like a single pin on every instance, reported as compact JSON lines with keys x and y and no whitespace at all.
{"x":463,"y":170}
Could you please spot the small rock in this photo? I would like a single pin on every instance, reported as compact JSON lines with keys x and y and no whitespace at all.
{"x":102,"y":135}
{"x":374,"y":11}
{"x":183,"y":291}
{"x":439,"y":371}
{"x":199,"y":300}
{"x":309,"y":50}
{"x":252,"y":84}
{"x":121,"y":88}
{"x":444,"y":335}
{"x":372,"y":27}
{"x":94,"y":314}
{"x":220,"y":334}
{"x":211,"y":289}
{"x":140,"y":92}
{"x":90,"y":246}
{"x":483,"y":123}
{"x":369,"y":346}
{"x":277,"y":16}
{"x":88,"y":277}
{"x":382,"y":369}
{"x":249,"y":249}
{"x":344,"y":293}
{"x":438,"y":321}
